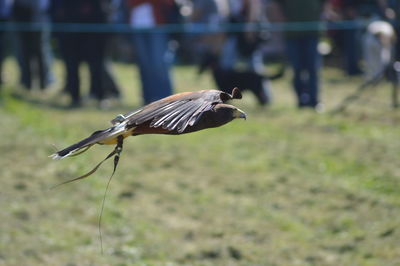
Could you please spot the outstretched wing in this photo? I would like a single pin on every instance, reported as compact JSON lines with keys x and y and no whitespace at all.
{"x":178,"y":111}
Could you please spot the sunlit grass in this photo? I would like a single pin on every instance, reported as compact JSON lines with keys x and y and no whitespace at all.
{"x":284,"y":187}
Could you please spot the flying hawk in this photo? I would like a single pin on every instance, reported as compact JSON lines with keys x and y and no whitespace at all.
{"x":174,"y":115}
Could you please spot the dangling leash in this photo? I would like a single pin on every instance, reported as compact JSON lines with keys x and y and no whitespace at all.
{"x":116,"y":153}
{"x":117,"y":150}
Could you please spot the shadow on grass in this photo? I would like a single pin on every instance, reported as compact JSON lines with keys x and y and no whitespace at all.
{"x":55,"y":103}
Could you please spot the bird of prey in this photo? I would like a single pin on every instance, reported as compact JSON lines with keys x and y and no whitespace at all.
{"x":174,"y":115}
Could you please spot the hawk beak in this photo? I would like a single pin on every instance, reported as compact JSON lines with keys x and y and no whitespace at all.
{"x":239,"y":114}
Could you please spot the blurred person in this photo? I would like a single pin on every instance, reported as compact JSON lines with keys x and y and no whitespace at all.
{"x":391,"y":10}
{"x":209,"y":13}
{"x":243,"y":44}
{"x":151,"y":47}
{"x":353,"y":38}
{"x":34,"y":52}
{"x":349,"y":40}
{"x":372,"y":8}
{"x":77,"y":47}
{"x":240,"y":57}
{"x":5,"y":13}
{"x":378,"y":48}
{"x":302,"y":50}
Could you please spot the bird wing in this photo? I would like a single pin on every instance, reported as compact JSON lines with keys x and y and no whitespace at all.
{"x":177,"y":111}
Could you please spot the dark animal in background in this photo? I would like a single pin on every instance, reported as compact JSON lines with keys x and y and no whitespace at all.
{"x":243,"y":79}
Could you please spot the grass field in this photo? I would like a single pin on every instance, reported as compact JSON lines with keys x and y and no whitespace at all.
{"x":285,"y":187}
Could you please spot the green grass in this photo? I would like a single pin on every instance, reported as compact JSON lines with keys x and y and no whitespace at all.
{"x":285,"y":187}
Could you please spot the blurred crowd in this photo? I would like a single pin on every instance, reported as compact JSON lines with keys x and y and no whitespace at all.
{"x":236,"y":57}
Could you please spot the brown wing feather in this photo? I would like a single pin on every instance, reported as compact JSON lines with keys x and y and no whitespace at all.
{"x":177,"y":111}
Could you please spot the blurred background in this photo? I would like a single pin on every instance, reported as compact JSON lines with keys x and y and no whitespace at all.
{"x":311,"y":178}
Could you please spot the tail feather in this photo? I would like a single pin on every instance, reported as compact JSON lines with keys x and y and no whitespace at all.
{"x":85,"y":144}
{"x":74,"y":148}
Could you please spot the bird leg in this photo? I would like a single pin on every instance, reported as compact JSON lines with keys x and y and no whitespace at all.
{"x":117,"y":152}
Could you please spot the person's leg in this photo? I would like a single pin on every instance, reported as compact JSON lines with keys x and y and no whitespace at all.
{"x":110,"y":86}
{"x":294,"y":56}
{"x":23,"y":43}
{"x":94,"y":49}
{"x":161,"y":83}
{"x":150,"y":50}
{"x":69,"y":44}
{"x":24,"y":58}
{"x":141,"y":45}
{"x":312,"y":61}
{"x":352,"y":52}
{"x":37,"y":55}
{"x":46,"y":75}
